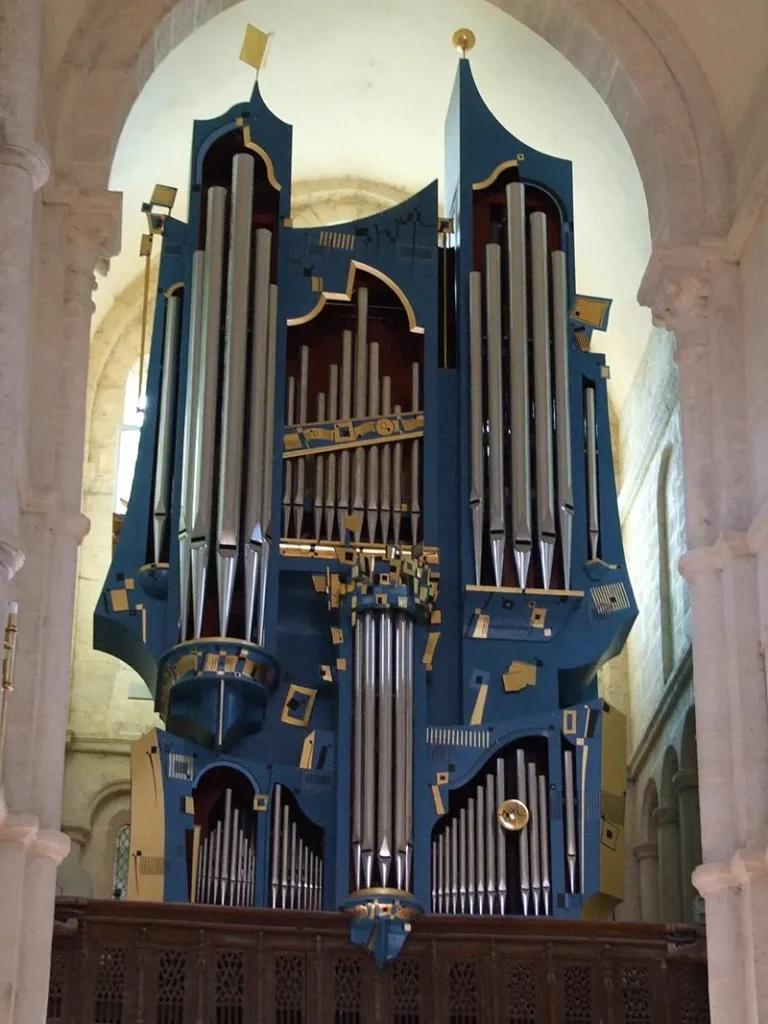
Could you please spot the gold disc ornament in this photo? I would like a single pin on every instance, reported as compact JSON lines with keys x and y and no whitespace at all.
{"x":513,"y":815}
{"x":463,"y":40}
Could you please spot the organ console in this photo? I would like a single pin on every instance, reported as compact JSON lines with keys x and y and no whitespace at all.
{"x":372,"y":560}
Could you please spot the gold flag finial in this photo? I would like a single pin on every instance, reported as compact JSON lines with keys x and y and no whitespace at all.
{"x":254,"y":49}
{"x":463,"y":40}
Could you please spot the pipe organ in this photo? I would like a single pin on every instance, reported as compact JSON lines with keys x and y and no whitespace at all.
{"x":372,"y":560}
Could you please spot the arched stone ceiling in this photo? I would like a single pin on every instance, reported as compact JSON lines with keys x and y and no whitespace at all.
{"x":366,"y":88}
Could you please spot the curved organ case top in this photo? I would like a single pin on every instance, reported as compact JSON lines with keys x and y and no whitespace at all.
{"x":372,"y":560}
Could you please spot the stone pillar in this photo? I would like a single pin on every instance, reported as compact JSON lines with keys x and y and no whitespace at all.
{"x":668,"y":831}
{"x":647,"y":856}
{"x":686,"y":784}
{"x":694,"y":291}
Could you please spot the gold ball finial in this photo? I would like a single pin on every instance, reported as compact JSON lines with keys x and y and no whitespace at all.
{"x":463,"y":40}
{"x":513,"y":815}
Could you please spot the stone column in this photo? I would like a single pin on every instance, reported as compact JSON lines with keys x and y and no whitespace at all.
{"x":694,"y":292}
{"x":668,"y":830}
{"x":686,"y":784}
{"x":647,"y":856}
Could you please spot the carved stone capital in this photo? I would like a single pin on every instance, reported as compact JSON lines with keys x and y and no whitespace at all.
{"x":28,"y":156}
{"x":93,"y":237}
{"x":646,"y":851}
{"x":745,"y":867}
{"x":11,"y":559}
{"x":675,"y":287}
{"x":664,"y":816}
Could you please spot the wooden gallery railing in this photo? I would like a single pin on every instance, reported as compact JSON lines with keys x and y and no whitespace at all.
{"x":139,"y":963}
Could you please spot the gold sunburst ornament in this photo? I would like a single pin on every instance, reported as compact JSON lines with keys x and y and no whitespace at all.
{"x":463,"y":40}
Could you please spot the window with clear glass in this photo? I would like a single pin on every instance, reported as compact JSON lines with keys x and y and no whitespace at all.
{"x":128,"y":441}
{"x":122,"y":858}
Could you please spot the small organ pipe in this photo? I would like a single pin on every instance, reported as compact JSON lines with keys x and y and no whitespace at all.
{"x":207,"y":397}
{"x":290,"y":419}
{"x":440,"y":873}
{"x":165,"y":416}
{"x":386,"y":463}
{"x":415,"y":457}
{"x":463,"y":860}
{"x":285,"y":900}
{"x":501,"y":845}
{"x":192,"y":428}
{"x":545,"y":502}
{"x":409,"y":750}
{"x":384,"y":773}
{"x":374,"y":396}
{"x":471,"y":883}
{"x":357,"y":747}
{"x":490,"y":841}
{"x":233,"y":852}
{"x":330,"y":472}
{"x":401,"y":795}
{"x":525,"y":878}
{"x":361,"y":407}
{"x":477,"y":483}
{"x":369,"y":741}
{"x":454,"y":867}
{"x":217,"y":863}
{"x":495,"y":410}
{"x":546,"y":886}
{"x":293,"y":869}
{"x":533,"y":828}
{"x":298,"y":494}
{"x":346,"y":415}
{"x":434,"y":876}
{"x":517,"y":304}
{"x":570,"y":819}
{"x":397,"y":485}
{"x":276,"y":843}
{"x":319,"y":472}
{"x":233,"y":409}
{"x":593,"y":508}
{"x":562,"y":410}
{"x":480,"y":838}
{"x":225,"y":850}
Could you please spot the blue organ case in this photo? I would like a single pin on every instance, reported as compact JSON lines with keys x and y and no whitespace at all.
{"x":372,"y":558}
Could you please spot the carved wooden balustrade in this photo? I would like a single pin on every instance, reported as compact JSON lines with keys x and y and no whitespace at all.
{"x":138,"y":963}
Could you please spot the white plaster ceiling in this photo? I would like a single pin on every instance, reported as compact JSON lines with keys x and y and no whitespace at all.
{"x":366,"y":87}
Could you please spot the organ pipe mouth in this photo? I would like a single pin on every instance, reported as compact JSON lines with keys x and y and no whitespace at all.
{"x":513,"y":815}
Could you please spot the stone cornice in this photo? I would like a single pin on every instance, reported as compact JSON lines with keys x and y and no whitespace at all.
{"x":98,"y":745}
{"x":680,"y":678}
{"x":715,"y":557}
{"x":743,"y":866}
{"x":24,"y":830}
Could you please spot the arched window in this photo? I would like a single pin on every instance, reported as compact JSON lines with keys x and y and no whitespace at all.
{"x":128,"y":441}
{"x":122,"y":858}
{"x":666,"y":610}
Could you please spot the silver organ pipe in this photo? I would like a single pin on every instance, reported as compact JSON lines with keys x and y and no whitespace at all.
{"x":401,"y":754}
{"x":207,"y":397}
{"x":518,"y":372}
{"x":319,"y":498}
{"x":292,"y":869}
{"x":226,"y":864}
{"x":332,"y":459}
{"x":491,"y":827}
{"x":290,"y":419}
{"x":192,"y":427}
{"x":477,"y":483}
{"x":546,"y":885}
{"x":495,"y":410}
{"x":298,"y":494}
{"x":454,"y":829}
{"x":276,"y":822}
{"x":162,"y":490}
{"x":480,"y":837}
{"x":501,"y":846}
{"x":366,"y":627}
{"x":225,"y":846}
{"x":386,"y":463}
{"x":358,"y":708}
{"x":562,"y":410}
{"x":534,"y":838}
{"x":374,"y":396}
{"x":472,"y":855}
{"x":593,"y":505}
{"x":407,"y":627}
{"x":284,"y":840}
{"x":268,"y":472}
{"x":570,"y":819}
{"x":397,"y":485}
{"x":346,"y":414}
{"x":384,"y":841}
{"x":525,"y":877}
{"x":545,"y":512}
{"x":233,"y":411}
{"x":361,"y":407}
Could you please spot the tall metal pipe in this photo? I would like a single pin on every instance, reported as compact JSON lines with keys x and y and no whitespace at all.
{"x":545,"y":497}
{"x":357,"y":746}
{"x":369,"y":745}
{"x":285,"y":899}
{"x":477,"y":481}
{"x":472,"y":854}
{"x":298,"y":494}
{"x":233,"y":409}
{"x":495,"y":410}
{"x":277,"y":806}
{"x":225,"y":845}
{"x":517,"y":306}
{"x":217,"y":863}
{"x":384,"y":842}
{"x":330,"y":472}
{"x":207,"y":397}
{"x":546,"y":885}
{"x":570,"y":819}
{"x":290,"y":419}
{"x":233,"y":851}
{"x":533,"y":828}
{"x":463,"y":860}
{"x":409,"y":750}
{"x":165,"y":414}
{"x":490,"y":841}
{"x":434,"y":876}
{"x":501,"y":843}
{"x":480,"y":838}
{"x":401,"y":795}
{"x":319,"y":500}
{"x":415,"y":457}
{"x":293,"y":871}
{"x":267,"y":487}
{"x":346,"y":415}
{"x":593,"y":503}
{"x":525,"y":877}
{"x":562,"y":410}
{"x":386,"y":463}
{"x":374,"y":402}
{"x":361,"y":406}
{"x":440,"y":873}
{"x":454,"y":866}
{"x":397,"y":485}
{"x":192,"y":428}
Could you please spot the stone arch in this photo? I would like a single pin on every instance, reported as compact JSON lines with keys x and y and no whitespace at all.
{"x":636,"y":60}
